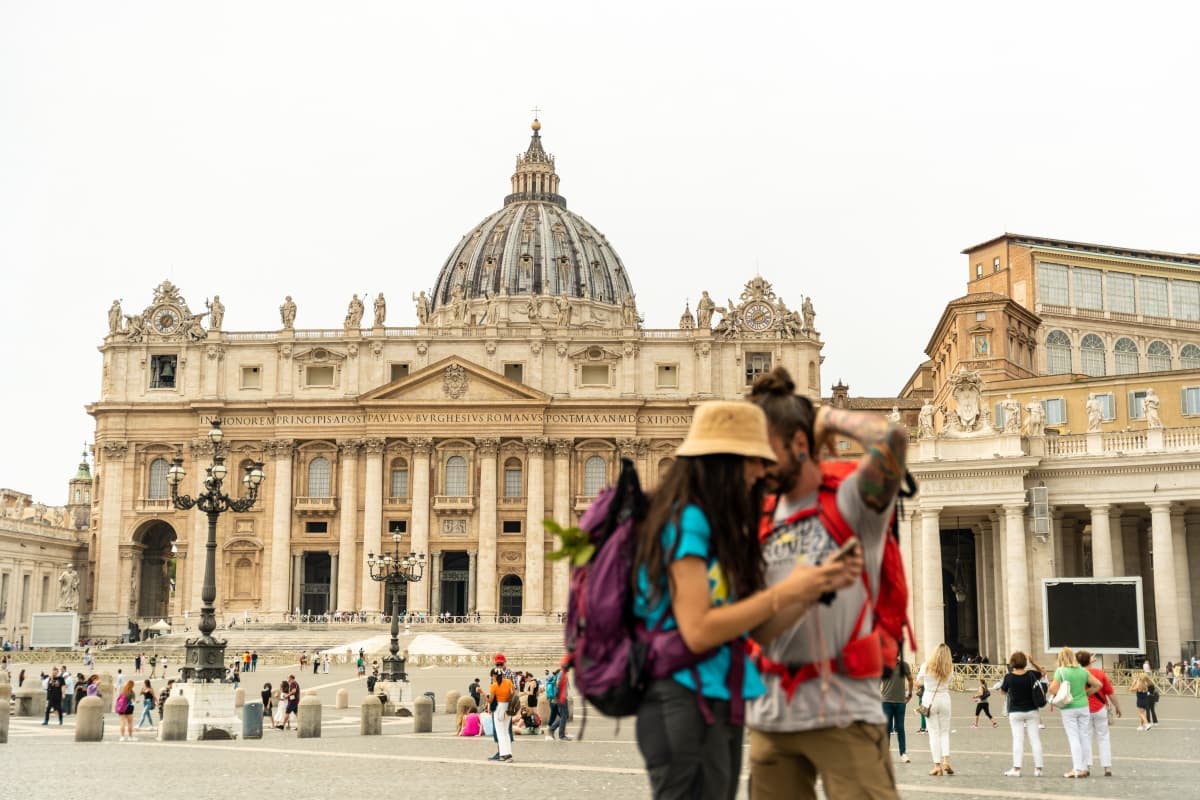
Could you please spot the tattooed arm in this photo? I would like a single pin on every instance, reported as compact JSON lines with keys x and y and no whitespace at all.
{"x":881,"y":470}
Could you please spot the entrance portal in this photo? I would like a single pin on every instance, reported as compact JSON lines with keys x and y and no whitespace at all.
{"x":156,"y":571}
{"x":314,"y":591}
{"x":455,"y":572}
{"x":510,"y":599}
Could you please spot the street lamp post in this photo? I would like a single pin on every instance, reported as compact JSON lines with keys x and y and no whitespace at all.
{"x":394,"y":571}
{"x":204,"y":658}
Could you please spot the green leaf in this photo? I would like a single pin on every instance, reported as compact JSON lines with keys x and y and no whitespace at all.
{"x":584,"y":555}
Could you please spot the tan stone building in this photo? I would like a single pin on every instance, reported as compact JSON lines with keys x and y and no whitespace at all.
{"x":528,"y":376}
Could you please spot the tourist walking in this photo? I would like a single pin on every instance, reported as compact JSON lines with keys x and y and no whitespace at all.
{"x":1076,"y":719}
{"x":699,"y":569}
{"x":934,"y":682}
{"x":1141,"y":687}
{"x":1098,"y":705}
{"x":1022,"y":687}
{"x":501,"y":691}
{"x":293,"y":701}
{"x":267,"y":698}
{"x":55,"y":686}
{"x":124,"y":709}
{"x":68,"y":689}
{"x":896,"y":690}
{"x":254,"y":661}
{"x":981,"y":704}
{"x":164,"y":696}
{"x":1153,"y":697}
{"x":147,"y":705}
{"x":325,"y":664}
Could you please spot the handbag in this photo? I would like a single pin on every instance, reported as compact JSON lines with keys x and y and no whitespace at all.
{"x":1063,"y":697}
{"x":923,"y":709}
{"x":514,"y":704}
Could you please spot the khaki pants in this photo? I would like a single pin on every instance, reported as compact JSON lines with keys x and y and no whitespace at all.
{"x":852,"y":762}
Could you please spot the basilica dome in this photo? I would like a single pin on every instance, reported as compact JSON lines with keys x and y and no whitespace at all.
{"x":533,"y":246}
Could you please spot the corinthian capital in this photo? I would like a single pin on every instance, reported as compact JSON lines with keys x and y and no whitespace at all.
{"x":421,"y":445}
{"x":279,"y":448}
{"x":115,"y":451}
{"x":562,"y":447}
{"x":487,"y":445}
{"x":201,"y":447}
{"x":349,"y":447}
{"x":535,"y":444}
{"x":374,"y":447}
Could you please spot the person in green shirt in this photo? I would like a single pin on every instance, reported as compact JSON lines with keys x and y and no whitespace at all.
{"x":1076,"y":717}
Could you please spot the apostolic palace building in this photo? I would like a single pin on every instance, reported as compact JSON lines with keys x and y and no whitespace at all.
{"x":1055,"y":432}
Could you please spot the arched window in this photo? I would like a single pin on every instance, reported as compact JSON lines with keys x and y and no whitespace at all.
{"x":1125,"y":356}
{"x":456,"y":476}
{"x":1058,"y":353}
{"x":1158,"y":357}
{"x":1091,"y":356}
{"x":319,"y":483}
{"x":158,"y":480}
{"x":513,"y":483}
{"x":595,"y":475}
{"x":1189,"y":357}
{"x":399,"y":486}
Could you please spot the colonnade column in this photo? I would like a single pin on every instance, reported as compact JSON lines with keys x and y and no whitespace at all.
{"x":105,"y":613}
{"x":998,"y":583}
{"x":372,"y":523}
{"x":348,"y":517}
{"x":1017,"y":567}
{"x":983,"y":594}
{"x":535,"y":535}
{"x":1183,"y":574}
{"x":1102,"y":557}
{"x":933,"y":618}
{"x":1117,"y":546}
{"x":561,"y":569}
{"x":472,"y":576}
{"x":297,"y":581}
{"x":435,"y":582}
{"x":280,"y":477}
{"x":1166,"y":600}
{"x":485,"y":596}
{"x":421,"y":446}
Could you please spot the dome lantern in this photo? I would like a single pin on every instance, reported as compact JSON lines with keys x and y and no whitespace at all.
{"x":535,"y":178}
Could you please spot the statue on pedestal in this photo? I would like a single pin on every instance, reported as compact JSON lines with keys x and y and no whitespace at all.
{"x":380,"y":311}
{"x":1150,"y":407}
{"x":1012,"y":414}
{"x":68,"y":589}
{"x":1035,"y":420}
{"x":354,"y":313}
{"x":422,"y":302}
{"x":925,"y":421}
{"x":704,"y":311}
{"x":1095,"y":413}
{"x":287,"y":313}
{"x":216,"y":312}
{"x":114,"y":317}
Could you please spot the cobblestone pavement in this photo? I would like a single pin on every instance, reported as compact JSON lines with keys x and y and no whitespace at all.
{"x":46,"y":762}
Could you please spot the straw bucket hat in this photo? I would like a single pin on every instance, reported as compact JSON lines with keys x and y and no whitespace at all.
{"x":733,"y":427}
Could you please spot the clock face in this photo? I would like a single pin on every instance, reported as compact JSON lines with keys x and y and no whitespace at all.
{"x":166,"y":319}
{"x":759,"y":316}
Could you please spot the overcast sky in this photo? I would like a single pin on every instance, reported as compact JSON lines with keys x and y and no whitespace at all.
{"x":847,"y":151}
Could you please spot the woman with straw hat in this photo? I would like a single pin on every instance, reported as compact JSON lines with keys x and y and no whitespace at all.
{"x":699,"y":568}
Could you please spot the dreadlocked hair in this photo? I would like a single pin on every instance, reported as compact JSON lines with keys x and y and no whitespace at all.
{"x":715,"y":484}
{"x":787,"y":412}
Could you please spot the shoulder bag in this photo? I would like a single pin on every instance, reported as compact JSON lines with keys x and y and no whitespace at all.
{"x":923,"y":709}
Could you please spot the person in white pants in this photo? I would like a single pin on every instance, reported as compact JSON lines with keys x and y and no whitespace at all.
{"x":1023,"y":718}
{"x":934,"y":682}
{"x":501,"y":690}
{"x":1076,"y":717}
{"x":1098,"y":704}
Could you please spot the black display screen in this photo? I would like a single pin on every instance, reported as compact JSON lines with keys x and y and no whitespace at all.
{"x":1095,"y":616}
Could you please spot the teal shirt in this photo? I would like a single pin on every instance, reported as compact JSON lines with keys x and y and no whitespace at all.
{"x":712,"y":671}
{"x":1077,"y":677}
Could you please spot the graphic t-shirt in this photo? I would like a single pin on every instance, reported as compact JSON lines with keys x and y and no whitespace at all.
{"x":694,"y":542}
{"x":822,"y":632}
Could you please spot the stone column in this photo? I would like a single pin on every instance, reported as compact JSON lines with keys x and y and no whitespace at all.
{"x":418,"y":597}
{"x":535,"y":535}
{"x":1017,"y":567}
{"x":1191,"y":527}
{"x":1102,"y":557}
{"x":435,"y":582}
{"x":1166,"y":599}
{"x":1129,"y":544}
{"x":485,"y":596}
{"x":348,"y":527}
{"x":280,"y":478}
{"x":372,"y":522}
{"x":334,"y":578}
{"x":999,"y":538}
{"x":1183,"y":574}
{"x":472,"y":576}
{"x":933,"y":617}
{"x":201,"y":451}
{"x":297,"y":581}
{"x":561,"y":569}
{"x":106,"y":614}
{"x":983,"y":592}
{"x":1117,"y":547}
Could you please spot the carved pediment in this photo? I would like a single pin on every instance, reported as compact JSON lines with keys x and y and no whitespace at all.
{"x":318,"y":355}
{"x":453,"y":379}
{"x":595,"y":354}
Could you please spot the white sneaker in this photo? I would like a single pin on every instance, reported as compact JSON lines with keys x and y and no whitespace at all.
{"x":549,"y":738}
{"x":1037,"y":772}
{"x":904,"y":758}
{"x":1142,"y":727}
{"x":1012,"y":773}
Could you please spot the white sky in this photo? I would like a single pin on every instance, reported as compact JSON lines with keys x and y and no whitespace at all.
{"x":847,"y":151}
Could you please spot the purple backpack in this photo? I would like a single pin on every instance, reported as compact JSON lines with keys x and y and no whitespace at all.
{"x":613,"y":654}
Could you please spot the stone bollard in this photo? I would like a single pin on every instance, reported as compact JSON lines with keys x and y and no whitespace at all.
{"x":452,"y":701}
{"x":371,"y":723}
{"x":5,"y":694}
{"x":252,"y":720}
{"x":308,"y":693}
{"x":175,"y":719}
{"x":342,"y":699}
{"x":466,"y":704}
{"x":106,"y":690}
{"x":239,"y":697}
{"x":423,"y":715}
{"x":28,"y":697}
{"x":310,"y":716}
{"x":89,"y":720}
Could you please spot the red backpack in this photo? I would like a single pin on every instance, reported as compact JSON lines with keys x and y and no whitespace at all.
{"x":874,"y":654}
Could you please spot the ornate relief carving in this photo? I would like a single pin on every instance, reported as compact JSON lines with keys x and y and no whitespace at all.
{"x":535,"y":347}
{"x":320,"y":355}
{"x":422,"y":348}
{"x":454,"y":526}
{"x":115,"y":451}
{"x":349,"y":447}
{"x":374,"y":447}
{"x":970,"y":415}
{"x":703,"y":349}
{"x":454,"y":381}
{"x":511,"y":556}
{"x":285,"y":351}
{"x":563,"y":447}
{"x":562,"y":349}
{"x":352,"y":349}
{"x":215,"y":352}
{"x":377,"y":348}
{"x":487,"y":445}
{"x":535,"y":444}
{"x":201,"y":447}
{"x":280,"y":448}
{"x":490,"y":347}
{"x":421,"y":445}
{"x":628,"y":448}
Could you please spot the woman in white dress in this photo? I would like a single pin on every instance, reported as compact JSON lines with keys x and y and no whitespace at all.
{"x":933,"y":681}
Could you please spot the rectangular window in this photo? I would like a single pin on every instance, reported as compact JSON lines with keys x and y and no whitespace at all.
{"x":1056,"y":411}
{"x":757,"y":364}
{"x":511,"y":526}
{"x":514,"y":486}
{"x":1153,"y":294}
{"x":162,"y":372}
{"x":1052,"y":284}
{"x":1191,"y":399}
{"x":1185,"y":295}
{"x":980,"y":316}
{"x":1120,"y":292}
{"x":667,"y":376}
{"x":251,"y":377}
{"x":515,"y":372}
{"x":593,"y":375}
{"x":318,"y":376}
{"x":979,"y":270}
{"x":316,"y":527}
{"x":397,"y":371}
{"x":1110,"y":406}
{"x":400,"y":482}
{"x":996,"y":264}
{"x":397,"y":526}
{"x":1087,"y":288}
{"x":1135,"y":405}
